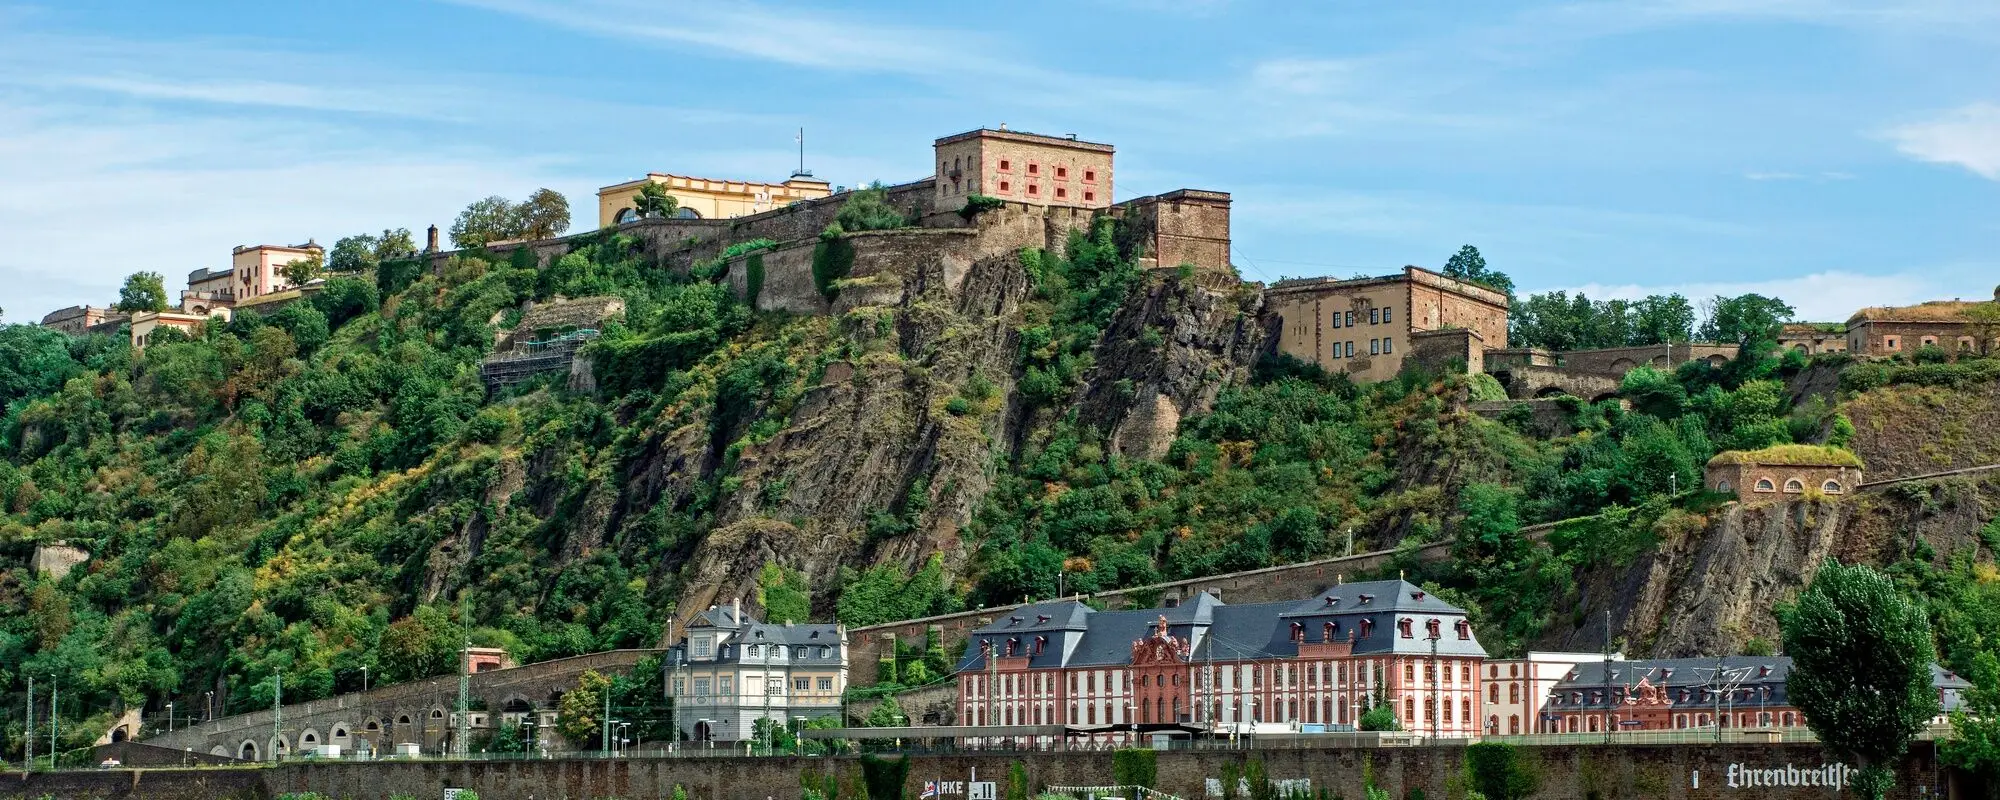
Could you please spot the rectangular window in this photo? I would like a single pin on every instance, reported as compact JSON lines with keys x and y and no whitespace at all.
{"x":1350,"y":349}
{"x":680,"y":686}
{"x":1336,"y":319}
{"x":756,"y":651}
{"x":774,"y":686}
{"x":725,"y":685}
{"x":1003,"y":187}
{"x":1062,"y":172}
{"x":1089,"y":196}
{"x":1387,"y":347}
{"x":1374,"y":316}
{"x":1089,"y":175}
{"x":701,"y":687}
{"x":1034,"y":189}
{"x":1061,"y":192}
{"x":1374,"y":347}
{"x":703,"y":647}
{"x":1005,"y":165}
{"x":1034,"y":168}
{"x":826,"y":684}
{"x":802,"y":684}
{"x":1350,"y":318}
{"x":1385,"y":315}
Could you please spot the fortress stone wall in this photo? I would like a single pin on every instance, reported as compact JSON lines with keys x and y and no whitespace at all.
{"x":1571,"y":772}
{"x":414,"y":712}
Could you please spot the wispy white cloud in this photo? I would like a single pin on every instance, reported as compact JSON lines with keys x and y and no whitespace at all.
{"x":1968,"y":136}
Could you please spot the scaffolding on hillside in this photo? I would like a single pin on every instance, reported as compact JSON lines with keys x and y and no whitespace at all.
{"x":532,"y":358}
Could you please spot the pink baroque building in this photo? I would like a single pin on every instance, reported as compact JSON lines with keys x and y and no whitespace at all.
{"x":1203,"y":665}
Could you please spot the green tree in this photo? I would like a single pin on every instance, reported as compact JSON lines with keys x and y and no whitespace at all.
{"x":653,"y":202}
{"x":545,"y":215}
{"x":300,"y":270}
{"x":1661,"y":319}
{"x":353,"y":254}
{"x":1861,"y":668}
{"x":580,"y":712}
{"x":423,"y":644}
{"x":1975,"y":729}
{"x":1468,"y":264}
{"x":1381,"y":718}
{"x":487,"y":220}
{"x":1744,"y":318}
{"x":394,"y":243}
{"x":869,"y":210}
{"x":883,"y":594}
{"x":143,"y":291}
{"x":34,"y":361}
{"x":782,"y":593}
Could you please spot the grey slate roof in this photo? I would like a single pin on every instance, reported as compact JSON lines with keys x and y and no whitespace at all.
{"x":736,"y":630}
{"x":1076,"y":636}
{"x":1758,"y":678}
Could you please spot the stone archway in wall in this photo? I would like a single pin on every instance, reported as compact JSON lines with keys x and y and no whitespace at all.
{"x":1547,"y":392}
{"x":219,"y":750}
{"x":1623,"y":365}
{"x":279,"y":748}
{"x":247,"y":751}
{"x":1603,"y":396}
{"x":1717,"y":360}
{"x":120,"y":733}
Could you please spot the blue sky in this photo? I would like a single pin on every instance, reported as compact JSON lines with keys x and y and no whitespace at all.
{"x":1838,"y":153}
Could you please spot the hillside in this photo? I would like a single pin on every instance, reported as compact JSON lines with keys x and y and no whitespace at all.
{"x":869,"y":422}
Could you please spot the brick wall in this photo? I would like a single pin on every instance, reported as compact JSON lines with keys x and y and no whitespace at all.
{"x":1573,"y":772}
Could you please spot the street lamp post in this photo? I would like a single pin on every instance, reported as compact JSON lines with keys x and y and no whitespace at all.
{"x":207,"y":706}
{"x":170,"y":717}
{"x":1436,"y":702}
{"x":364,"y":679}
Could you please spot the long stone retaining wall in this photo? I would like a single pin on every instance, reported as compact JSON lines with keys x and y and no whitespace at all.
{"x":417,"y":711}
{"x":1580,"y":772}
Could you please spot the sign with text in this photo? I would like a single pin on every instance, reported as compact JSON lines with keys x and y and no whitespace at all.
{"x":1835,"y":776}
{"x":970,"y":790}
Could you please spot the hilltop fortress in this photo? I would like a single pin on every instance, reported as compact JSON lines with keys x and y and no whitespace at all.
{"x":994,"y":193}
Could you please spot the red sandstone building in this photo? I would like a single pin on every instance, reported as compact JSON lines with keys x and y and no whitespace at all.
{"x":1203,"y":665}
{"x":1684,"y":693}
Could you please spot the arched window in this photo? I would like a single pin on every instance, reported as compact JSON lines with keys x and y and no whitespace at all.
{"x":1722,"y":486}
{"x":403,"y":720}
{"x":1493,"y":693}
{"x":1830,"y":487}
{"x":625,"y":215}
{"x":437,"y":713}
{"x":1766,"y":485}
{"x":1513,"y":723}
{"x":1513,"y":693}
{"x":1794,"y":486}
{"x":1403,"y":625}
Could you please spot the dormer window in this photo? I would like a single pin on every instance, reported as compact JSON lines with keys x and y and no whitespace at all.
{"x":1011,"y":644}
{"x":1298,"y":632}
{"x":1367,"y":598}
{"x":1013,"y":621}
{"x":1419,"y":596}
{"x":1327,"y":631}
{"x":1431,"y":628}
{"x":1041,"y":619}
{"x":1464,"y":629}
{"x":1332,"y":601}
{"x":1366,"y":626}
{"x":1041,"y":643}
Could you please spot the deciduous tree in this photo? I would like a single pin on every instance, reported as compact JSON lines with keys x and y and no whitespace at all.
{"x":545,"y":215}
{"x":1861,"y":668}
{"x":1468,"y":264}
{"x":487,"y":220}
{"x":143,"y":291}
{"x":653,"y":201}
{"x":1739,"y":319}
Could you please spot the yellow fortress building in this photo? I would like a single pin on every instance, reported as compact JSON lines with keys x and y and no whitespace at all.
{"x":708,"y":198}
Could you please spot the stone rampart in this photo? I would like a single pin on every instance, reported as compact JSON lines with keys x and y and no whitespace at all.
{"x":1448,"y":350}
{"x":416,"y":711}
{"x":1791,"y":771}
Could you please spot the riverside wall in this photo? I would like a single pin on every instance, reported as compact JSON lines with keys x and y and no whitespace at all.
{"x":1582,"y":772}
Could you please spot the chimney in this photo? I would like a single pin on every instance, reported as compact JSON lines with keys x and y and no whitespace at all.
{"x":432,"y":247}
{"x":736,"y":609}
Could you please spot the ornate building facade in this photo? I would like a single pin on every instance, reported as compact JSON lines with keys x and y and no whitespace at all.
{"x":1309,"y":665}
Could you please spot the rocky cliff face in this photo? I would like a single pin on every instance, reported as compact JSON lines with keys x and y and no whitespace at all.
{"x":1712,"y":582}
{"x":893,"y":443}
